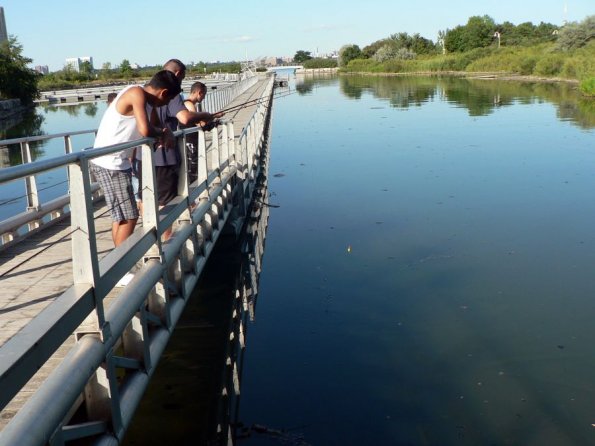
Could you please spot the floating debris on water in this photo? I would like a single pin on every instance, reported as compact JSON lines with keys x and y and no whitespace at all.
{"x":349,"y":248}
{"x":279,"y":175}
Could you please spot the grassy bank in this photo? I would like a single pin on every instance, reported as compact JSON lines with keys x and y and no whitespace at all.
{"x":541,"y":60}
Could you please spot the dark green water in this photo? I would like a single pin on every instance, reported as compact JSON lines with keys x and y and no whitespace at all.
{"x":428,"y":276}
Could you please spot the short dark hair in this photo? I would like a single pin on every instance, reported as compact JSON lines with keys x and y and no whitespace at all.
{"x":111,"y":97}
{"x":168,"y":80}
{"x":198,"y":86}
{"x":174,"y":63}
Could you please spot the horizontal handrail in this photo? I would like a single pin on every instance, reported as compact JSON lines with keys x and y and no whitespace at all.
{"x":6,"y":142}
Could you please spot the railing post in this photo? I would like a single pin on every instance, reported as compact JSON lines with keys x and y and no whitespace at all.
{"x":201,"y":167}
{"x":84,"y":243}
{"x":159,"y":297}
{"x":67,"y":144}
{"x":213,"y":162}
{"x":224,"y":146}
{"x":231,"y":139}
{"x":85,"y":269}
{"x":205,"y":229}
{"x":30,"y":182}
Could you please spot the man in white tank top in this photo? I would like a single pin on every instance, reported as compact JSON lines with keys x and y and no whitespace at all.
{"x":127,"y":119}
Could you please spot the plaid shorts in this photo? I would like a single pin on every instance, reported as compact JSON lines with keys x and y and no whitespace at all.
{"x":117,"y":189}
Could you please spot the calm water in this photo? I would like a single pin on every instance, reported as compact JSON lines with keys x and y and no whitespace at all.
{"x":47,"y":120}
{"x":428,"y":276}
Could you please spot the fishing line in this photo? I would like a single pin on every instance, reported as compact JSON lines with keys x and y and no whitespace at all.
{"x":14,"y":200}
{"x":255,"y":102}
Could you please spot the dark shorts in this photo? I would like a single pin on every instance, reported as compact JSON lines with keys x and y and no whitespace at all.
{"x":167,"y":183}
{"x":117,"y":189}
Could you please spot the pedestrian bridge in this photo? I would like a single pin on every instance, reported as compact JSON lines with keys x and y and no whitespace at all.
{"x":77,"y":352}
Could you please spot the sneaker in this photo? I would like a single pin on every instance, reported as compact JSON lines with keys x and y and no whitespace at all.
{"x":125,"y":280}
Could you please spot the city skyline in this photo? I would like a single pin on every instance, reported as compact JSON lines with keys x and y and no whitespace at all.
{"x":249,"y":30}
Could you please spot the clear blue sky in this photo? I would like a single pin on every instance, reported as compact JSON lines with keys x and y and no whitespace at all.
{"x":149,"y":32}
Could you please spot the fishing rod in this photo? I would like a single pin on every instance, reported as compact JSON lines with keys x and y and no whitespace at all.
{"x":255,"y":102}
{"x":209,"y":126}
{"x":252,"y":102}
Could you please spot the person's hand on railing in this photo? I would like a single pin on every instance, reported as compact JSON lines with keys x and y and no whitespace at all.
{"x":167,"y":139}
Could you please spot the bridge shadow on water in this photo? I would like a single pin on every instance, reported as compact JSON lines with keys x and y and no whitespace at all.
{"x":191,"y":398}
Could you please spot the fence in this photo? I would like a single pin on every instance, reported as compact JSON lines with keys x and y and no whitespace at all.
{"x":119,"y":343}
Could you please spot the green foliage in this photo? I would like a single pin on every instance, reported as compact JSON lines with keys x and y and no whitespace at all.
{"x":347,"y":53}
{"x":415,"y":43}
{"x":588,"y":86}
{"x":526,"y":34}
{"x":302,"y":56}
{"x":320,"y":63}
{"x":385,"y":52}
{"x":388,"y":48}
{"x":125,"y":68}
{"x":477,"y":33}
{"x":577,"y":35}
{"x":549,"y":65}
{"x":518,"y":60}
{"x":16,"y":80}
{"x":540,"y":60}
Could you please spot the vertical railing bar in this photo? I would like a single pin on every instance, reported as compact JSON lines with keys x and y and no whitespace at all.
{"x":30,"y":181}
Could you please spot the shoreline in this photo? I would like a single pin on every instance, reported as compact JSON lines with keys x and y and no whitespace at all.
{"x":493,"y":75}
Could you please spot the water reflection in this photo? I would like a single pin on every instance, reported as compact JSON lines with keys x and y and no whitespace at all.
{"x":74,"y":110}
{"x":480,"y":97}
{"x":30,"y":124}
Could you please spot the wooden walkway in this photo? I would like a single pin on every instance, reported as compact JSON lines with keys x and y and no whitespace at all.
{"x":38,"y":270}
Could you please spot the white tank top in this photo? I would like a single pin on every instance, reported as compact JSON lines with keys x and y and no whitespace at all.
{"x":114,"y":129}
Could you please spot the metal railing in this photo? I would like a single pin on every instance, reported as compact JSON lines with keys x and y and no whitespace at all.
{"x":217,"y":100}
{"x":118,"y":345}
{"x":39,"y":215}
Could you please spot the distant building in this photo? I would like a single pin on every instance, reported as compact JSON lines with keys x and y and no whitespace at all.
{"x":3,"y":31}
{"x":75,"y":63}
{"x":273,"y":61}
{"x":43,"y":69}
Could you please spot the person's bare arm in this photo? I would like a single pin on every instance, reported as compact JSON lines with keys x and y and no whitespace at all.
{"x":187,"y":117}
{"x":190,"y":106}
{"x":133,"y":103}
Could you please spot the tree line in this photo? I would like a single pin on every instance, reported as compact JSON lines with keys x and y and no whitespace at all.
{"x":483,"y":45}
{"x":478,"y":32}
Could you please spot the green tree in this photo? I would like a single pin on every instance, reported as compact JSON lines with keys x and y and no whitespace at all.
{"x":320,"y":63}
{"x":16,"y":80}
{"x":125,"y":68}
{"x":86,"y":68}
{"x":302,"y":56}
{"x":577,"y":35}
{"x":347,"y":53}
{"x":477,"y":33}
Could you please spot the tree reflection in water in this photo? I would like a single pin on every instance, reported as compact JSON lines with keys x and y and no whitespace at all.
{"x":481,"y":97}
